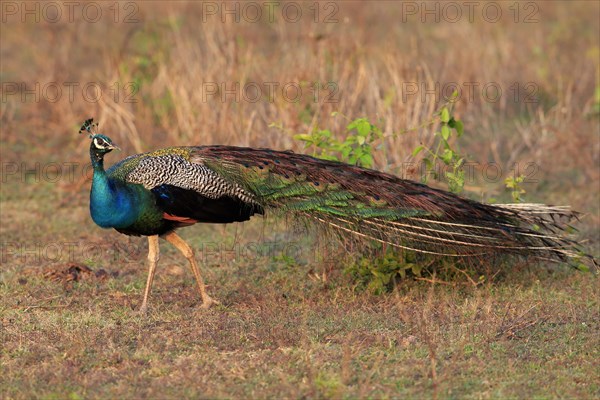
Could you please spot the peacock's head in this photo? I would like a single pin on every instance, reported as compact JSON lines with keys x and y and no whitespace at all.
{"x":101,"y":144}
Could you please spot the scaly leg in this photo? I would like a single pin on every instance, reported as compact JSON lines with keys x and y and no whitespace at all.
{"x":188,"y":253}
{"x":153,"y":256}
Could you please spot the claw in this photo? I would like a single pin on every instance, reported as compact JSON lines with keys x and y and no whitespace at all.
{"x":208,"y":302}
{"x":143,"y":309}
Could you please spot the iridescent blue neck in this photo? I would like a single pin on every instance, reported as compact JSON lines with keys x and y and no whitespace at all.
{"x":112,"y":204}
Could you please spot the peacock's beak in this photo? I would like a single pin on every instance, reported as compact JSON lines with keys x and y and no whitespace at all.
{"x":114,"y":147}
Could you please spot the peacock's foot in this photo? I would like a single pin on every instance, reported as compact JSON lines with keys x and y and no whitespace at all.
{"x":208,"y":301}
{"x":143,"y":310}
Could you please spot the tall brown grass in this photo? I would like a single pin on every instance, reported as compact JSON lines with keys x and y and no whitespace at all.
{"x":371,"y":54}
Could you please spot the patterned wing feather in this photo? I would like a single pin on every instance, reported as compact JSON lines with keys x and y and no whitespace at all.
{"x":187,"y":192}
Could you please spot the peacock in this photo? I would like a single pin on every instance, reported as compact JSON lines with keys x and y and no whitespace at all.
{"x":153,"y":194}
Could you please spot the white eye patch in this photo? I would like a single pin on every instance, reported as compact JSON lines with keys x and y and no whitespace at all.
{"x":99,"y":144}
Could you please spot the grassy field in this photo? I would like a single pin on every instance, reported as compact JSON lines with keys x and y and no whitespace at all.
{"x":293,"y":323}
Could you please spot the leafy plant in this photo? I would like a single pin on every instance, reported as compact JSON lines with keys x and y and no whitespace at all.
{"x":444,"y":151}
{"x":378,"y":274}
{"x":514,"y":184}
{"x":356,"y":148}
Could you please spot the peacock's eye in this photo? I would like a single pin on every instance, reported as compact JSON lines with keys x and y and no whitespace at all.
{"x":100,"y":143}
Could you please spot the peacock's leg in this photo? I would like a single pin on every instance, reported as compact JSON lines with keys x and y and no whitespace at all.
{"x":188,"y":253}
{"x":153,"y":256}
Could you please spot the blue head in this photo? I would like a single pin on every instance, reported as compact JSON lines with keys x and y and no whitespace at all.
{"x":101,"y":144}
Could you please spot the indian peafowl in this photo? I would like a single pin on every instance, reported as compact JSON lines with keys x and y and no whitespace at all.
{"x":153,"y":194}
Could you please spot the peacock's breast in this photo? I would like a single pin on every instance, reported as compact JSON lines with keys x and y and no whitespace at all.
{"x":117,"y":210}
{"x":117,"y":205}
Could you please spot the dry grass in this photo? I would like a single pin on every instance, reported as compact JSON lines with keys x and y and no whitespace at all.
{"x":285,"y":329}
{"x":281,"y":334}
